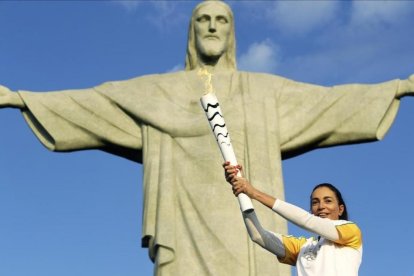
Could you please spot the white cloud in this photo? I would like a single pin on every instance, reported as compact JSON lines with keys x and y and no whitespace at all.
{"x":260,"y":57}
{"x":162,"y":14}
{"x":128,"y":5}
{"x":176,"y":68}
{"x":300,"y":17}
{"x":167,"y":15}
{"x":370,"y":12}
{"x":331,"y":42}
{"x":356,"y":55}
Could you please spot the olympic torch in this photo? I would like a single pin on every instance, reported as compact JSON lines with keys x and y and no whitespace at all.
{"x":215,"y":117}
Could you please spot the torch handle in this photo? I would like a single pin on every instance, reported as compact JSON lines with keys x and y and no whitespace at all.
{"x":215,"y":117}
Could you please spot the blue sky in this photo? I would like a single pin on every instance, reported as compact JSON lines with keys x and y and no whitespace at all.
{"x":80,"y":213}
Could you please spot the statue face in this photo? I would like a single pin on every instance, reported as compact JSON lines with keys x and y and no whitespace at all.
{"x":212,"y":28}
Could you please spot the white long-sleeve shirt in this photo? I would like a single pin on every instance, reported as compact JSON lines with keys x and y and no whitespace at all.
{"x":337,"y":251}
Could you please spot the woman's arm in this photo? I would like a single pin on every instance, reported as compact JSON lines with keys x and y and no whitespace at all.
{"x":320,"y":226}
{"x":241,"y":185}
{"x":270,"y":241}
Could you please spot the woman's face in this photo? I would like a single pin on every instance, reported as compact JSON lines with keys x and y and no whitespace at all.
{"x":324,"y":204}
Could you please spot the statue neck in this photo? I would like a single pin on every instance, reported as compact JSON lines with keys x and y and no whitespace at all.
{"x":213,"y":64}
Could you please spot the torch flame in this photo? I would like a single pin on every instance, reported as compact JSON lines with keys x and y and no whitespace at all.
{"x":203,"y":72}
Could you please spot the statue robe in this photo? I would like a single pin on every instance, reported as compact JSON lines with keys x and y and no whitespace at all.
{"x":192,"y":223}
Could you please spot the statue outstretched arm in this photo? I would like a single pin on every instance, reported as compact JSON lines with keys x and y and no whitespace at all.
{"x":406,"y":87}
{"x":79,"y":119}
{"x":10,"y":99}
{"x":110,"y":116}
{"x":59,"y":131}
{"x":312,"y":116}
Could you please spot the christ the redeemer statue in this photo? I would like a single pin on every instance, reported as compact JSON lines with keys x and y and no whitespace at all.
{"x":157,"y":120}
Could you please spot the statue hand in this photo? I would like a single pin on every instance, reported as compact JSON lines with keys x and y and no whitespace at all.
{"x":406,"y":87}
{"x":10,"y":99}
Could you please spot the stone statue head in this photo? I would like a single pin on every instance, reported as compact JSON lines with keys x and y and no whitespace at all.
{"x":211,"y":36}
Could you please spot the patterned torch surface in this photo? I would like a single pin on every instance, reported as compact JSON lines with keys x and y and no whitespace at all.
{"x":215,"y":117}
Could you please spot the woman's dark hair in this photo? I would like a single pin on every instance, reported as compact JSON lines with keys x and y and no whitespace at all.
{"x":338,"y":195}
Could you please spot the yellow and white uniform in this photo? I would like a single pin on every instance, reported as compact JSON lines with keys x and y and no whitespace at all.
{"x":337,"y":251}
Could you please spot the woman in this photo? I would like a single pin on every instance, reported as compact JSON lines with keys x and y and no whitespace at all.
{"x":336,"y":251}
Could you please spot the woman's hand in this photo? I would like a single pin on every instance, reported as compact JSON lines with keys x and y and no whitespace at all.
{"x":239,"y":184}
{"x":230,"y":171}
{"x":242,"y":185}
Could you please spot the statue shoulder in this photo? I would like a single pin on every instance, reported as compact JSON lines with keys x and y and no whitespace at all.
{"x":145,"y":80}
{"x":264,"y":80}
